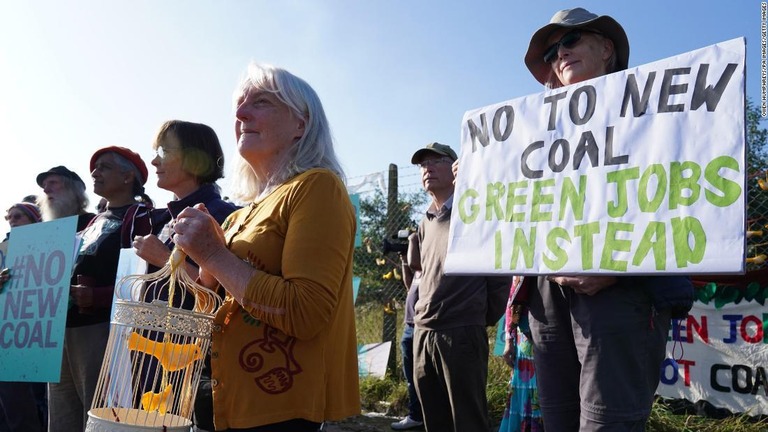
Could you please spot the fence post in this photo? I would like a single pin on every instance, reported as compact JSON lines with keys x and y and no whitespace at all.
{"x":389,"y":326}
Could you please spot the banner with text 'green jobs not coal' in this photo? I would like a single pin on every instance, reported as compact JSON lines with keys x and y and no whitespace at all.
{"x":639,"y":171}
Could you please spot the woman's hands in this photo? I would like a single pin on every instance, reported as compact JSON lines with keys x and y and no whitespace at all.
{"x":589,"y":285}
{"x":89,"y":296}
{"x":509,"y":353}
{"x":5,"y":276}
{"x":202,"y":239}
{"x":207,"y":279}
{"x":199,"y":235}
{"x":82,"y":297}
{"x":151,"y":249}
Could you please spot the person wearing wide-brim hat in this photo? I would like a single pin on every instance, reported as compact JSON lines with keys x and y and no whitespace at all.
{"x":598,"y":341}
{"x":63,"y":195}
{"x":578,"y":22}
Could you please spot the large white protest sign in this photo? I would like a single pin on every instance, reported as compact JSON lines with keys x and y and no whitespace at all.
{"x":639,"y":171}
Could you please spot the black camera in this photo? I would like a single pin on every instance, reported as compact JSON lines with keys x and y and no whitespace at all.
{"x":397,"y":242}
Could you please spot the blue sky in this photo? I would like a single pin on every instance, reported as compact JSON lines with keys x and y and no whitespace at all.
{"x":393,"y":75}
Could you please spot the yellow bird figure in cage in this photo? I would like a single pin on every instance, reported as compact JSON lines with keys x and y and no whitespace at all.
{"x":151,"y":401}
{"x":763,"y":183}
{"x":759,"y":259}
{"x":172,"y":356}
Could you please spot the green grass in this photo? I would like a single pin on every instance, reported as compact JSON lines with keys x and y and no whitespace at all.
{"x":663,"y":420}
{"x":390,"y":396}
{"x":497,"y":387}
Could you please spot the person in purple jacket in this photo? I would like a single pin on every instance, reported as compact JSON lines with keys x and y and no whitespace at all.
{"x":188,"y":162}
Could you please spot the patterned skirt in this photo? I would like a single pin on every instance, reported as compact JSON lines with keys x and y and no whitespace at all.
{"x":522,"y":413}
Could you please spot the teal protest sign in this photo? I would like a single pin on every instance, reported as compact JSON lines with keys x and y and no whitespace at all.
{"x":3,"y":252}
{"x":355,"y":287}
{"x":34,"y":301}
{"x":355,"y":198}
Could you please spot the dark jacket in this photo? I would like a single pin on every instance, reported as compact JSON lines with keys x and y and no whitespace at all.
{"x":666,"y":292}
{"x":670,"y":292}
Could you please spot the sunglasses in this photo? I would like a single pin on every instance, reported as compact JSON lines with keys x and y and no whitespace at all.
{"x":569,"y":40}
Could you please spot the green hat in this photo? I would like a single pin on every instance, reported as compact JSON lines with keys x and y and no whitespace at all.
{"x":436,"y":148}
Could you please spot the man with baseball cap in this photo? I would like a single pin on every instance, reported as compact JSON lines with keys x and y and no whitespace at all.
{"x":436,"y":149}
{"x":451,"y":313}
{"x":63,"y":195}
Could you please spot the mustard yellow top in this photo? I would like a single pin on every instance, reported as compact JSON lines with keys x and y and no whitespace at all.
{"x":289,"y":351}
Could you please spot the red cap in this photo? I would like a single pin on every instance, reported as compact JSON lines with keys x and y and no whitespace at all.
{"x":132,"y":156}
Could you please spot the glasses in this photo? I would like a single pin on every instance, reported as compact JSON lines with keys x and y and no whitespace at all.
{"x":429,"y":162}
{"x":162,"y":152}
{"x":569,"y":40}
{"x":14,"y":216}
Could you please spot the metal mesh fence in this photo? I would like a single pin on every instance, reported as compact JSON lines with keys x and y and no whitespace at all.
{"x":386,"y":218}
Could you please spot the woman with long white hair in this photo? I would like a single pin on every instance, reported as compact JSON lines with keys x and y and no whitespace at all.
{"x":284,"y":354}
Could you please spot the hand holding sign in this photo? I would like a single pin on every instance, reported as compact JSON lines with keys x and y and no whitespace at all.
{"x":82,"y":294}
{"x":455,"y":170}
{"x":5,"y":276}
{"x":151,"y":249}
{"x":589,"y":285}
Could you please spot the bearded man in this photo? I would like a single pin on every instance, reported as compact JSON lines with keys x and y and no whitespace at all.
{"x":63,"y":195}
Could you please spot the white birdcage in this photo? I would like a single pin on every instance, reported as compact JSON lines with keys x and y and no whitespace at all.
{"x":155,"y":353}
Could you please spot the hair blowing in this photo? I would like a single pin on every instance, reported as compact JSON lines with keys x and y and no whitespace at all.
{"x":202,"y":156}
{"x":313,"y":150}
{"x":136,"y":187}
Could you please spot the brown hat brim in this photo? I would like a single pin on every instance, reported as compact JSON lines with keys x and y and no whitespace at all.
{"x":609,"y":27}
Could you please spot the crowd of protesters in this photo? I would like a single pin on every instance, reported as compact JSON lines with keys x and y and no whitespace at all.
{"x":283,"y":266}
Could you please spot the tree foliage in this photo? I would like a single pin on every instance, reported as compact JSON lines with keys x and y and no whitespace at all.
{"x":379,"y":273}
{"x":757,"y":188}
